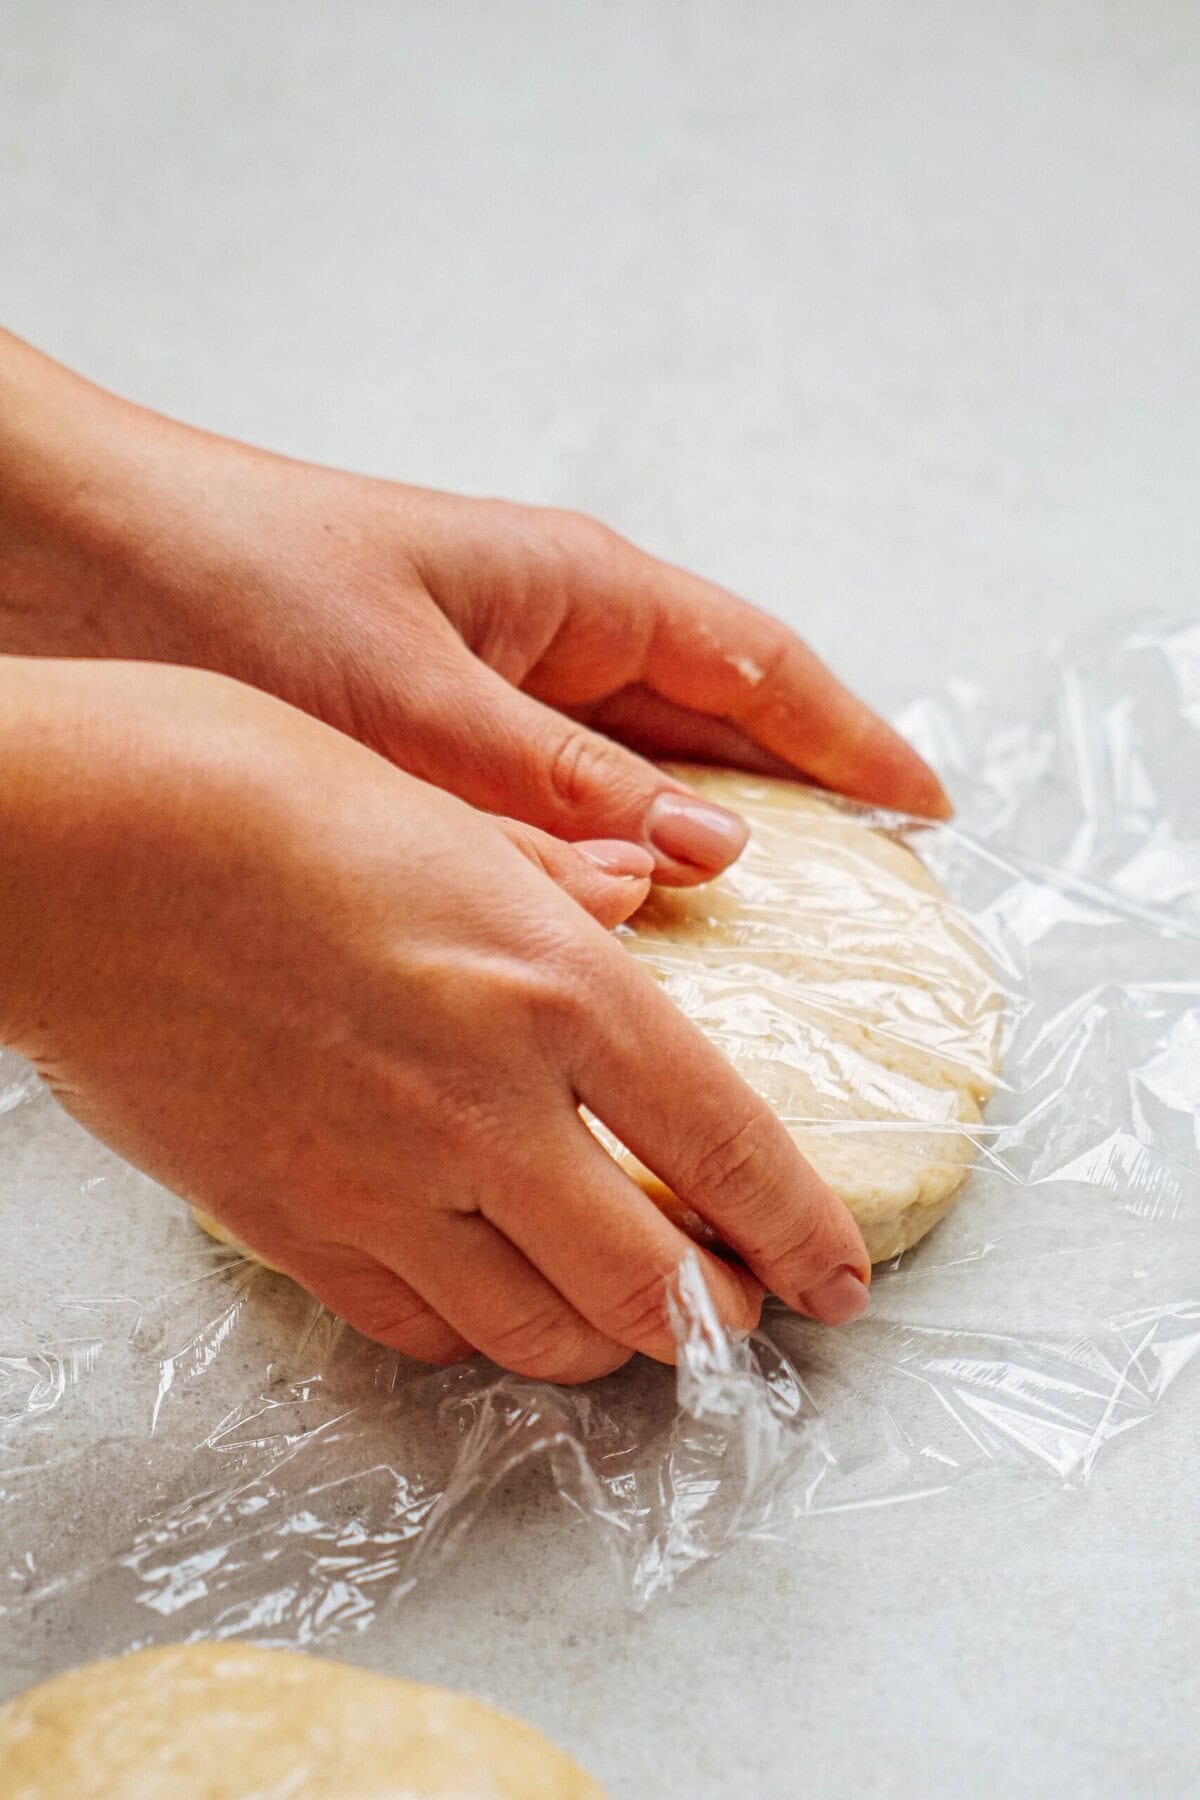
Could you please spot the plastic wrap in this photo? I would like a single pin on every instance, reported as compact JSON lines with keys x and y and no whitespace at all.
{"x":267,"y":1472}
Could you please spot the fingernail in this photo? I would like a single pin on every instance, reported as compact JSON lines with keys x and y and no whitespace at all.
{"x":694,"y":831}
{"x":839,"y":1300}
{"x":616,"y":857}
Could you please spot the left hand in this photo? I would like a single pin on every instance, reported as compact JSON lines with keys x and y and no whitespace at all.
{"x":355,"y":1020}
{"x":519,"y":657}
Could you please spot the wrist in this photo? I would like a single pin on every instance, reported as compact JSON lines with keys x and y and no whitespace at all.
{"x":56,"y":776}
{"x":125,"y":787}
{"x":71,"y":513}
{"x":90,"y":754}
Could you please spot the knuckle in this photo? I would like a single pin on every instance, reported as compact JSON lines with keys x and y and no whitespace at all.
{"x":537,"y":847}
{"x":528,"y":1006}
{"x":535,"y":1343}
{"x":640,"y":1316}
{"x":735,"y":1167}
{"x":783,"y":1232}
{"x":414,"y":1330}
{"x":557,"y":984}
{"x":581,"y":766}
{"x":548,"y":971}
{"x":793,"y":1258}
{"x":581,"y":534}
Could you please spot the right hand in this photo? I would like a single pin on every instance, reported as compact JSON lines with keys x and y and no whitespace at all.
{"x":353,"y":1020}
{"x":516,"y":656}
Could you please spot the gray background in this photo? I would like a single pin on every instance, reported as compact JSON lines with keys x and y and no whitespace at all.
{"x":884,"y":315}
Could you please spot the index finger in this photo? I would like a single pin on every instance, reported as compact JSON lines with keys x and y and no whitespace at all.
{"x":672,"y":1098}
{"x":716,"y":654}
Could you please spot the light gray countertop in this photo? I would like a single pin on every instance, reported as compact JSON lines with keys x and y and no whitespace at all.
{"x":887,"y":317}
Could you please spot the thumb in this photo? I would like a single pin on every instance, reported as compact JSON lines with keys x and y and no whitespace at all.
{"x":607,"y":877}
{"x":503,"y":751}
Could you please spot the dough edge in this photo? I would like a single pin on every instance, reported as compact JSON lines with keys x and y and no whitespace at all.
{"x":119,"y":1727}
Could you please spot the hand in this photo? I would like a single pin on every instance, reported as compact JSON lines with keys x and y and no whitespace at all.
{"x":494,"y":650}
{"x":353,"y":1019}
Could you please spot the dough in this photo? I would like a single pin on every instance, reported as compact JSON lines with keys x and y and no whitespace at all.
{"x":841,"y":982}
{"x":229,"y":1722}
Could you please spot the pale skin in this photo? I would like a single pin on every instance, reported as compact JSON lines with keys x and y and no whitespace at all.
{"x":318,"y":795}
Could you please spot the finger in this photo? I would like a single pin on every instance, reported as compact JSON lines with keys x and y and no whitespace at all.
{"x":500,"y":750}
{"x":607,"y":1248}
{"x":380,"y":1304}
{"x":655,"y":727}
{"x":483,"y":1284}
{"x":708,"y":652}
{"x":609,"y":878}
{"x":715,"y":653}
{"x":674,"y":1100}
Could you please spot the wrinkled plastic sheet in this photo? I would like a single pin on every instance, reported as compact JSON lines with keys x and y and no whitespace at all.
{"x":190,"y":1447}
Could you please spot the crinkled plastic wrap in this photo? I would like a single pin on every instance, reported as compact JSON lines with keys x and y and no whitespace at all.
{"x":265,"y":1471}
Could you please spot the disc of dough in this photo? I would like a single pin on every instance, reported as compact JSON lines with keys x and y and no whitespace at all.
{"x":231,"y":1722}
{"x":842,"y":983}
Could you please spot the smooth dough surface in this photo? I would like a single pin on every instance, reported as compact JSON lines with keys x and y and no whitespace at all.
{"x":231,"y":1722}
{"x":845,"y":987}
